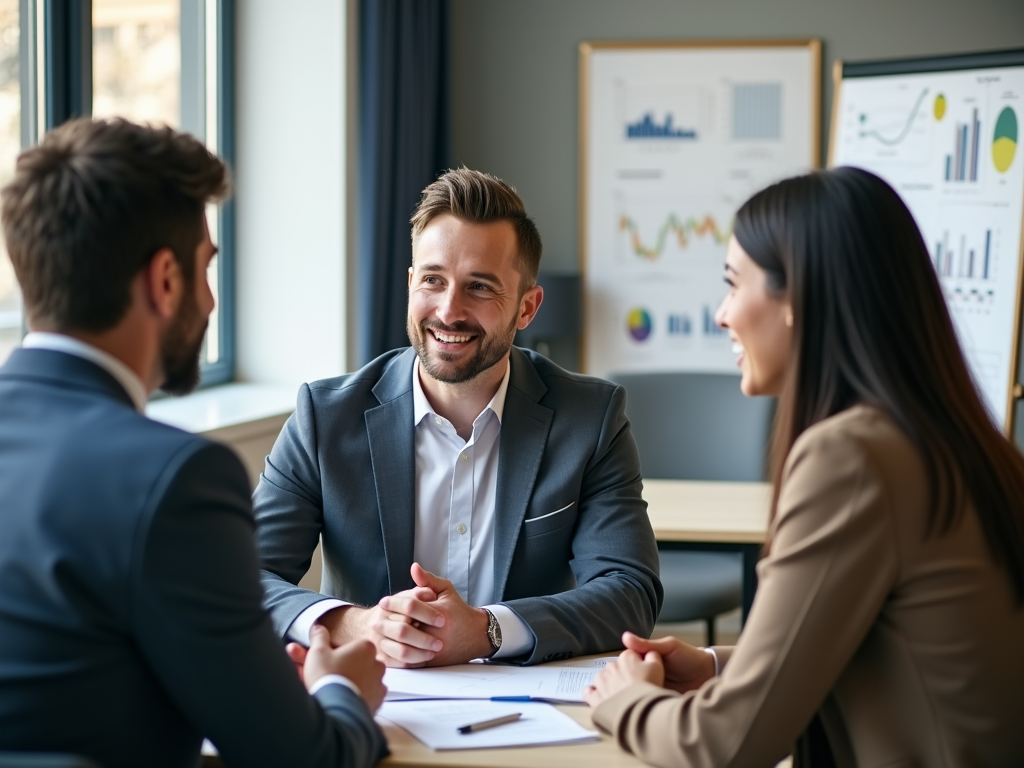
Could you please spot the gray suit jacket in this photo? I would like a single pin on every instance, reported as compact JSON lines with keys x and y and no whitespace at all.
{"x":344,"y":468}
{"x":131,"y":623}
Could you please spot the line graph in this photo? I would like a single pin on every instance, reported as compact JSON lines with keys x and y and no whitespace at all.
{"x":907,"y":126}
{"x":683,"y":230}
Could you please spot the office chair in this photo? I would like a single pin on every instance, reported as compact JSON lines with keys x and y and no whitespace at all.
{"x":44,"y":760}
{"x":698,"y":426}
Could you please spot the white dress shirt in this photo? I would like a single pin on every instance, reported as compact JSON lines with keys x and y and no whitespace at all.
{"x":126,"y":377}
{"x":456,"y":489}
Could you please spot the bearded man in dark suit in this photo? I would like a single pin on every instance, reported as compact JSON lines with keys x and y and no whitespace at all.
{"x":131,"y":623}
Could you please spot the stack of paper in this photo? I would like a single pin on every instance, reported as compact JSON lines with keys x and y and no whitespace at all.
{"x":437,"y":723}
{"x":562,"y":682}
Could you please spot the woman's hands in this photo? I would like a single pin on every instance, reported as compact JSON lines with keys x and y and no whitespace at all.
{"x":629,"y":668}
{"x":666,"y":662}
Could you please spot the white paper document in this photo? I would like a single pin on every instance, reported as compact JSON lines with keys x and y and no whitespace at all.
{"x":436,"y":724}
{"x":562,"y":681}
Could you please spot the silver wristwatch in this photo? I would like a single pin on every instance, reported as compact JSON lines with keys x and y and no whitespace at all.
{"x":493,"y":632}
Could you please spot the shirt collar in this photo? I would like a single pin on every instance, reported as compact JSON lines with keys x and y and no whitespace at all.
{"x":125,"y":376}
{"x":422,"y":408}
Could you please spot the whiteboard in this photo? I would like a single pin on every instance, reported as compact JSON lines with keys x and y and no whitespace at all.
{"x":945,"y":133}
{"x":674,"y":138}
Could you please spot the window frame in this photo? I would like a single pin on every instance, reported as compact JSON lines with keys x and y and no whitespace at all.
{"x":56,"y":85}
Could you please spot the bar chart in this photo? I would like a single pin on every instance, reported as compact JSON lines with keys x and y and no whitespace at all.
{"x":711,"y":328}
{"x":962,"y":162}
{"x":654,"y":117}
{"x":647,"y":128}
{"x":971,"y":261}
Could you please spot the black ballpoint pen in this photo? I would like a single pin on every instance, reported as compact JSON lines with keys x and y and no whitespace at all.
{"x":472,"y":727}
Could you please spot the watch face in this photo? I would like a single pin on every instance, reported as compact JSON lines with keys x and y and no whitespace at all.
{"x":493,"y":630}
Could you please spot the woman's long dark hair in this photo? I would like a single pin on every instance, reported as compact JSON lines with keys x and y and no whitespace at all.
{"x":871,"y":326}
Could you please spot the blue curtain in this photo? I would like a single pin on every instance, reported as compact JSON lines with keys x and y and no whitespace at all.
{"x":404,"y":146}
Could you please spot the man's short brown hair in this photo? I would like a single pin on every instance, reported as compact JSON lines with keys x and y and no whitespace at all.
{"x":480,"y":198}
{"x":92,"y":204}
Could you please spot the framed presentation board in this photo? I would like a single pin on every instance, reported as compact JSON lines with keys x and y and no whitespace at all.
{"x":944,"y":133}
{"x":674,"y":137}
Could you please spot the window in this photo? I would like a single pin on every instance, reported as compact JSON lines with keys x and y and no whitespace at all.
{"x":136,"y":60}
{"x":151,"y":61}
{"x":10,"y":145}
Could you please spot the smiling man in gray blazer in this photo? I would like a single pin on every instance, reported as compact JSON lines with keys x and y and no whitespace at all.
{"x":474,"y":499}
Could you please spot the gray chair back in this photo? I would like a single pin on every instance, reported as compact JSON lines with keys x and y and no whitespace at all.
{"x":697,"y":426}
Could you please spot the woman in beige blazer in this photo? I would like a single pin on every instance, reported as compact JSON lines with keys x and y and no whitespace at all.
{"x":888,"y":627}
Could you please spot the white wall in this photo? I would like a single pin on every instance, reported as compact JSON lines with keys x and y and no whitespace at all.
{"x":291,"y":174}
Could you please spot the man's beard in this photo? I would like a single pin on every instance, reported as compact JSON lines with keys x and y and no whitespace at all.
{"x":180,"y":348}
{"x":490,"y":350}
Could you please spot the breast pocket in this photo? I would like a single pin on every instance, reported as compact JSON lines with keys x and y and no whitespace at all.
{"x":550,"y":521}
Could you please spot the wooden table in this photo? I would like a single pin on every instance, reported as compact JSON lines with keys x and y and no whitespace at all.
{"x":407,"y":752}
{"x":684,"y":514}
{"x":687,"y":514}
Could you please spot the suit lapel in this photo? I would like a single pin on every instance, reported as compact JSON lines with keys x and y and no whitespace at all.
{"x":524,"y":434}
{"x":389,"y":429}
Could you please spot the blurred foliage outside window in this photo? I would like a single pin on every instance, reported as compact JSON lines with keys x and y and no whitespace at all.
{"x":136,"y":60}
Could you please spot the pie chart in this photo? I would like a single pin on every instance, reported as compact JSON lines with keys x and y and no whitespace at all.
{"x":1004,"y":140}
{"x":638,"y":322}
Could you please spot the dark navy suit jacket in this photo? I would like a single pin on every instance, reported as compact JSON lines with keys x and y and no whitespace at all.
{"x":574,"y":553}
{"x":131,"y":623}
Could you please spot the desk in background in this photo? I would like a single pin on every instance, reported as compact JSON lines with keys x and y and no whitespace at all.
{"x":688,"y":514}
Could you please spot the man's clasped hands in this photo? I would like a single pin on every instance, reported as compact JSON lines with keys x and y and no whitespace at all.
{"x":431,"y":625}
{"x":427,"y":625}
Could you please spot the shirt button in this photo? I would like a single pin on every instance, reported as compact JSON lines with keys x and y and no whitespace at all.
{"x":465,"y":457}
{"x":461,"y":528}
{"x":438,"y":420}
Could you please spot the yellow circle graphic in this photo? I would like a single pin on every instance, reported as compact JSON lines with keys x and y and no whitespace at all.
{"x":1003,"y":151}
{"x":940,"y":107}
{"x":1004,"y":140}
